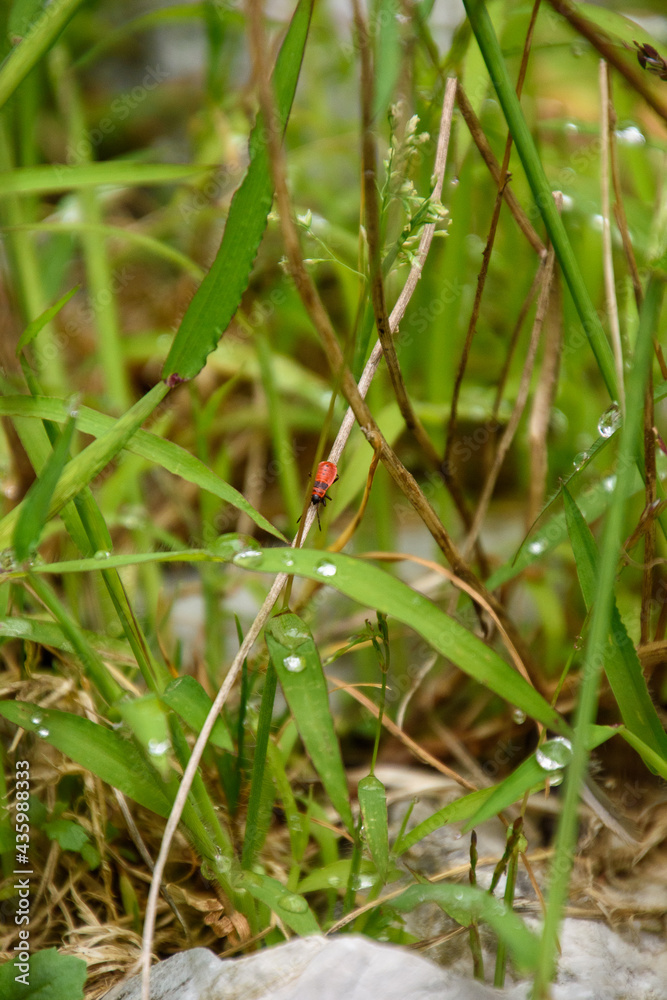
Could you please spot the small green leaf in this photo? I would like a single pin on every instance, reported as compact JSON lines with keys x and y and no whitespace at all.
{"x":297,"y":662}
{"x":48,"y":976}
{"x":187,"y":697}
{"x":465,"y":904}
{"x":292,"y":908}
{"x":147,"y":719}
{"x":373,"y":804}
{"x":335,"y":876}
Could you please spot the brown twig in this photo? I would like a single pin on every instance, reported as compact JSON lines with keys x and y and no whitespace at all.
{"x":487,"y":154}
{"x":607,"y":122}
{"x":521,"y":399}
{"x":543,"y":400}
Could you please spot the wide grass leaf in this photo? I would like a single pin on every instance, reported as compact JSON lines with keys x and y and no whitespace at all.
{"x":373,"y":587}
{"x":149,"y":446}
{"x":373,"y":805}
{"x":297,"y":662}
{"x":465,"y":904}
{"x":219,"y":294}
{"x":292,"y":909}
{"x":105,"y":753}
{"x":621,"y":663}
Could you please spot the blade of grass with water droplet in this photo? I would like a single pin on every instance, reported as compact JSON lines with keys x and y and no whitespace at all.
{"x":372,"y":587}
{"x":297,"y":662}
{"x":292,"y":909}
{"x":465,"y":903}
{"x":373,"y":804}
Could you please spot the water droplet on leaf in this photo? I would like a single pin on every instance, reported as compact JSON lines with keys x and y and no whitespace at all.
{"x":555,"y":754}
{"x":610,"y":421}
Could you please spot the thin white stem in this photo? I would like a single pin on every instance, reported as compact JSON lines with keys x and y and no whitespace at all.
{"x":278,"y":584}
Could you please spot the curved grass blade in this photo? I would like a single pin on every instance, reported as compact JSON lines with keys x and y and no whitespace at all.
{"x":151,"y":447}
{"x":373,"y":587}
{"x":621,"y":663}
{"x":32,"y":47}
{"x":105,"y":753}
{"x":467,"y":903}
{"x":297,"y":662}
{"x":219,"y":294}
{"x":82,"y":469}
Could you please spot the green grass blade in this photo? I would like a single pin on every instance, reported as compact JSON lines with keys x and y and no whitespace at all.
{"x":219,"y":294}
{"x":297,"y":822}
{"x":335,"y":875}
{"x":35,"y":505}
{"x":90,"y":462}
{"x":373,"y":804}
{"x":465,"y":903}
{"x":597,"y":644}
{"x":387,"y":57}
{"x":149,"y":446}
{"x":90,"y":660}
{"x":189,"y":700}
{"x":258,"y":815}
{"x":373,"y":587}
{"x":528,"y":775}
{"x":495,"y":63}
{"x":51,"y":634}
{"x":457,"y":811}
{"x":292,"y":909}
{"x":297,"y":662}
{"x":103,"y":752}
{"x":122,"y":173}
{"x":36,"y":43}
{"x":621,"y":664}
{"x":32,"y":329}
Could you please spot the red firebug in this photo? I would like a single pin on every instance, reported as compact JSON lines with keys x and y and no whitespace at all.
{"x":326,"y":476}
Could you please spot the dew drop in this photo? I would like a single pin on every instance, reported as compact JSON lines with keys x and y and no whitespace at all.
{"x":609,"y":483}
{"x":293,"y":903}
{"x":158,"y":748}
{"x":537,"y":547}
{"x":43,"y":732}
{"x":630,"y":136}
{"x":555,"y":754}
{"x":288,"y":561}
{"x":580,"y":460}
{"x":571,"y":127}
{"x":73,"y":406}
{"x":101,"y":554}
{"x":248,"y":557}
{"x":556,"y":779}
{"x":334,"y":881}
{"x":362,"y":881}
{"x":519,"y":716}
{"x":36,"y":719}
{"x":297,"y":632}
{"x":610,"y":421}
{"x":295,"y":664}
{"x":325,"y":568}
